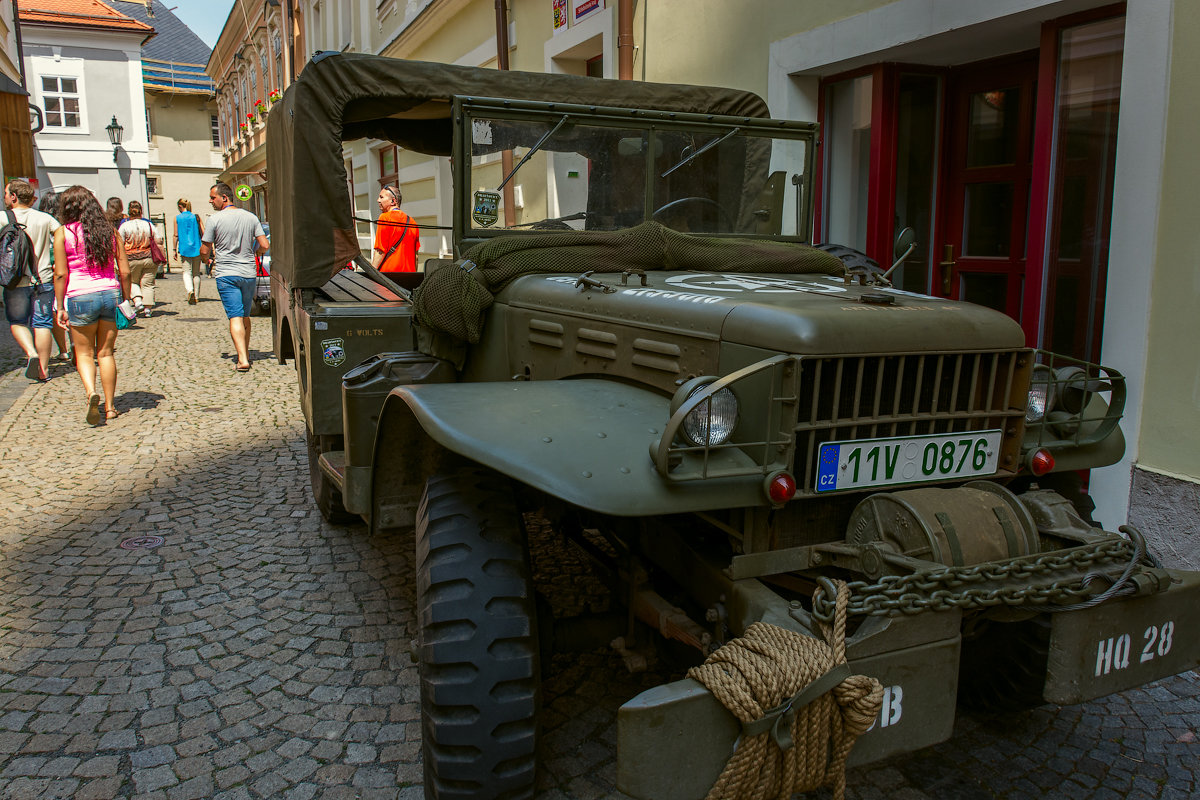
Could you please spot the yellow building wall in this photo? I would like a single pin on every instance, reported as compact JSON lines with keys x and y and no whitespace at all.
{"x":676,"y":42}
{"x":1170,"y":433}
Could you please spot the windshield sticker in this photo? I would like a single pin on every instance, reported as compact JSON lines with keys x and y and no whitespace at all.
{"x":481,"y":131}
{"x":486,"y":209}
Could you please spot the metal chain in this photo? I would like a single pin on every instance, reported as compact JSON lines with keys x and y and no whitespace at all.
{"x":952,"y":587}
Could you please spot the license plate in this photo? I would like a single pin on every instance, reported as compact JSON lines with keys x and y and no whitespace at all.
{"x":864,"y":463}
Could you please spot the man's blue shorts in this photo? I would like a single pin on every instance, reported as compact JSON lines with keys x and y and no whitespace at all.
{"x":236,"y":295}
{"x":43,"y":308}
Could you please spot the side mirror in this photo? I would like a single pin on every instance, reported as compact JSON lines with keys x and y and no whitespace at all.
{"x":906,"y":241}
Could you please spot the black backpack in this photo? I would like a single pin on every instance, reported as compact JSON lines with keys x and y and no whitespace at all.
{"x":16,"y":254}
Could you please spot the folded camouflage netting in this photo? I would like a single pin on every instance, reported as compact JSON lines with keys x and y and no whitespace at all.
{"x":452,"y":300}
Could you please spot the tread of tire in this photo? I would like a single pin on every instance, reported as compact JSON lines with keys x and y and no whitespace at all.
{"x":478,"y":642}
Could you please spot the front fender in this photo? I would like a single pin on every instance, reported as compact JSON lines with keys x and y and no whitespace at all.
{"x":584,"y":441}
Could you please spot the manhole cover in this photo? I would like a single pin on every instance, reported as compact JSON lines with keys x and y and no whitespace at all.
{"x":141,"y":542}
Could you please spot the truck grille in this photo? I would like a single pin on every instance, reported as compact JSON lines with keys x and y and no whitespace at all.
{"x":886,"y":395}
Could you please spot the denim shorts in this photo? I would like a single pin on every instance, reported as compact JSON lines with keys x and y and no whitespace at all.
{"x":18,"y":305}
{"x":43,"y":309}
{"x":86,"y":309}
{"x":236,"y":295}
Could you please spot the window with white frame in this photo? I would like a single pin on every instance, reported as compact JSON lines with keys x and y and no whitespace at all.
{"x":62,"y":102}
{"x":153,"y":186}
{"x":277,"y":46}
{"x":253,"y":86}
{"x":266,"y":71}
{"x":215,"y":126}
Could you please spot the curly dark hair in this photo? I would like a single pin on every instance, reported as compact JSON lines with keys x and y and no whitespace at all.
{"x":49,"y":203}
{"x":78,"y":204}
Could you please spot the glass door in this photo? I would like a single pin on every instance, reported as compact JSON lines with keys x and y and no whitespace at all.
{"x":984,"y":242}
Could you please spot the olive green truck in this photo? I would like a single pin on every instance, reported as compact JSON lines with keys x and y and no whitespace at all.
{"x":634,"y":344}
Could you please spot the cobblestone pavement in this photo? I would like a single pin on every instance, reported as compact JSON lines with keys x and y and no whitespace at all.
{"x":260,"y":652}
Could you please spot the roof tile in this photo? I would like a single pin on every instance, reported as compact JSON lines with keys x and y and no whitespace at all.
{"x":78,"y":13}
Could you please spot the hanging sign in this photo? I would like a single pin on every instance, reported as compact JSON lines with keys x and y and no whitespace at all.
{"x":243,"y":192}
{"x":560,"y":15}
{"x":584,"y":8}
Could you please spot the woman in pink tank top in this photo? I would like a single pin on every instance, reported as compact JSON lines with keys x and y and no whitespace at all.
{"x":91,"y":276}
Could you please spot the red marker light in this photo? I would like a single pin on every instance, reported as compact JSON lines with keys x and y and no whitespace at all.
{"x":782,"y":487}
{"x":1041,"y":462}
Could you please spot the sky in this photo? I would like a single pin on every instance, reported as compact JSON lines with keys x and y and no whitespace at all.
{"x":204,"y":17}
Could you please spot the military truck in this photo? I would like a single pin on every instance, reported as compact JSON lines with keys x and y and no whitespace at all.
{"x":637,"y":347}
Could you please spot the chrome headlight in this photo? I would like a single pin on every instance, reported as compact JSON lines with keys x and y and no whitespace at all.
{"x":1042,"y":394}
{"x":711,"y":422}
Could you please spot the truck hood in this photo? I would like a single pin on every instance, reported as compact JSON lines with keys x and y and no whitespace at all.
{"x":791,"y":314}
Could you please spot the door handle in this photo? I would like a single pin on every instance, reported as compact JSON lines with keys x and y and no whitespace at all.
{"x":947,"y":265}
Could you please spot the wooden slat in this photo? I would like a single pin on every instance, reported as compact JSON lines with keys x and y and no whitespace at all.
{"x":348,"y":286}
{"x":334,"y":291}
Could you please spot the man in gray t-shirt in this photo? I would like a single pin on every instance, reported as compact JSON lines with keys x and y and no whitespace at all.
{"x":232,"y":237}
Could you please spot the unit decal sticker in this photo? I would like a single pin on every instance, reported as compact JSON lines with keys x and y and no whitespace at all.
{"x":333,"y":351}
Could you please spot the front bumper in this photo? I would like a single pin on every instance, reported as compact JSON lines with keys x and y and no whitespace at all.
{"x":673,"y":740}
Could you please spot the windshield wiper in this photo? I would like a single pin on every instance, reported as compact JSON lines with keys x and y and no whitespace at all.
{"x":532,"y":150}
{"x":692,"y":156}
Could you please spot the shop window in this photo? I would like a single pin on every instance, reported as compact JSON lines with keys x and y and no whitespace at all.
{"x":847,"y":161}
{"x":1087,"y":106}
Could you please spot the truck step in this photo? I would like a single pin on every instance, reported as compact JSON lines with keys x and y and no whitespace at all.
{"x":333,"y":464}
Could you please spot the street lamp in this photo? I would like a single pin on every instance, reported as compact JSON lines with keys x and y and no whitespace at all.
{"x":114,"y":135}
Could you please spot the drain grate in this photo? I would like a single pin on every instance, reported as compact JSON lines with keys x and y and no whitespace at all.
{"x":141,"y":542}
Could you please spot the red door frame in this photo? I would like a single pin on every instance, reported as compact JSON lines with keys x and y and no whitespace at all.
{"x":1042,"y":176}
{"x":966,"y":80}
{"x":881,"y":190}
{"x":881,"y":201}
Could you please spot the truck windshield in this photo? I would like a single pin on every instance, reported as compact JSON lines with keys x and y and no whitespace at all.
{"x":574,"y":172}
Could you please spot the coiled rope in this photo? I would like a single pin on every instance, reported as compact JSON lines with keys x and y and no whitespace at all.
{"x":800,"y":707}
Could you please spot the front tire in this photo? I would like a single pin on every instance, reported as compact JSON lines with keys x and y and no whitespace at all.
{"x":477,"y":620}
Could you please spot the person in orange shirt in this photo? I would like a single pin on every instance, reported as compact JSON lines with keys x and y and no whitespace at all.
{"x":397,"y":239}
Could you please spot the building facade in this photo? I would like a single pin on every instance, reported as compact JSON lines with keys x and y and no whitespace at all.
{"x":251,"y":66}
{"x":16,"y":129}
{"x":184,"y":152}
{"x":83,"y":67}
{"x":1036,"y":147}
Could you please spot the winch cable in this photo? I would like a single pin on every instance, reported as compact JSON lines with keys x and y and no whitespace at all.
{"x":800,"y":707}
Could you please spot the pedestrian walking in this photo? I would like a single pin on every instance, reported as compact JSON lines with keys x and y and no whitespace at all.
{"x":233,"y":237}
{"x":91,"y":275}
{"x":396,"y":237}
{"x":114,"y":209}
{"x":136,"y":234}
{"x":49,"y":205}
{"x":29,"y":307}
{"x":188,"y":230}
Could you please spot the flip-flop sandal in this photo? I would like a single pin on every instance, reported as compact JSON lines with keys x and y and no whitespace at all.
{"x":33,"y":370}
{"x":93,"y":411}
{"x":242,"y":368}
{"x":112,"y":413}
